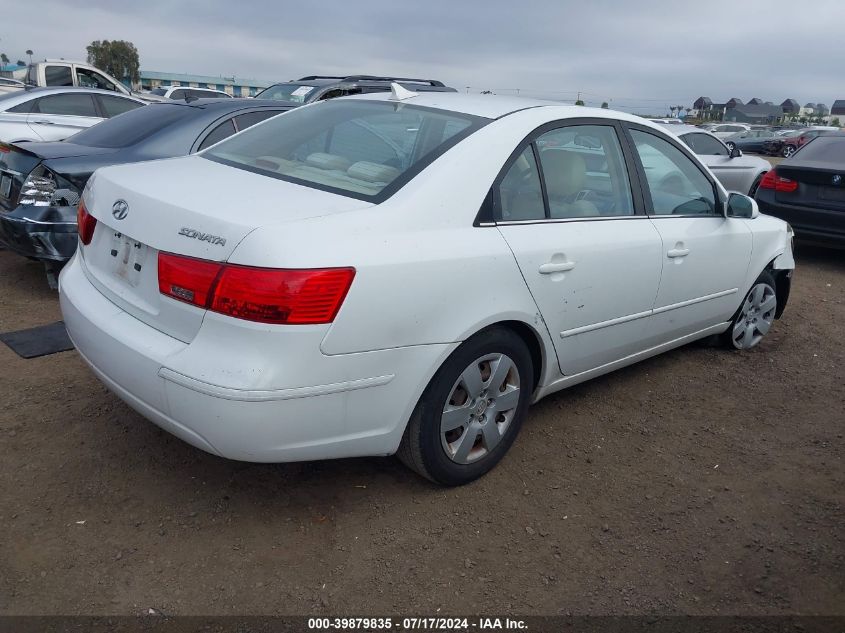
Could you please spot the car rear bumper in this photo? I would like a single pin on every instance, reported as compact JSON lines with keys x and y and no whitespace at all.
{"x":810,"y":223}
{"x":46,"y":233}
{"x":359,"y":407}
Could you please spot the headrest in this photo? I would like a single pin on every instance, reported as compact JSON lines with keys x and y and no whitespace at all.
{"x":564,"y":172}
{"x":372,"y":172}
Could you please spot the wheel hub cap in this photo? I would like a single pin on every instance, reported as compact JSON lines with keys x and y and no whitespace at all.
{"x":479,"y":409}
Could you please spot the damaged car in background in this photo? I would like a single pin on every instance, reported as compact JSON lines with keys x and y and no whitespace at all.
{"x":41,"y":183}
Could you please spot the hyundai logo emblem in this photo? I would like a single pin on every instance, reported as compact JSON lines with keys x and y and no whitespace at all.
{"x":120,"y":209}
{"x":837,"y":179}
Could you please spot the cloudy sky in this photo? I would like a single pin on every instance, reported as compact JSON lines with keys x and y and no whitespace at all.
{"x":640,"y":55}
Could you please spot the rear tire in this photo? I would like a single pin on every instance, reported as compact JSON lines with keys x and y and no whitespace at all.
{"x":755,"y":316}
{"x":787,"y":151}
{"x":731,"y":145}
{"x":472,"y":410}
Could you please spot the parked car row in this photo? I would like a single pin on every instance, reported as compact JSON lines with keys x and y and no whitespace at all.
{"x":193,"y":282}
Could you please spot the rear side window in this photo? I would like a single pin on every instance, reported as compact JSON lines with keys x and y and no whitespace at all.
{"x":134,"y":126}
{"x":58,"y":76}
{"x":249,"y":119}
{"x":24,"y":107}
{"x":112,"y":106}
{"x":224,"y":130}
{"x":71,"y":104}
{"x":363,"y":149}
{"x":676,"y":184}
{"x":520,"y":195}
{"x":177,"y":94}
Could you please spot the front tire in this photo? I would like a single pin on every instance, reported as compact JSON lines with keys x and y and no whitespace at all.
{"x":755,"y":316}
{"x":472,"y":410}
{"x":731,"y":145}
{"x":787,"y":151}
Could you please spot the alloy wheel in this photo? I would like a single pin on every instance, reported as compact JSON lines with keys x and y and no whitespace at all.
{"x":756,"y":317}
{"x":480,"y":408}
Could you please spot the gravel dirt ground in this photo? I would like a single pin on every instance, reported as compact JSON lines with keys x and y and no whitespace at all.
{"x":699,"y":482}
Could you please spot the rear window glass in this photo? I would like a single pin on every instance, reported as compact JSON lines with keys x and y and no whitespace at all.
{"x":133,"y":126}
{"x":825,"y":149}
{"x":363,"y":149}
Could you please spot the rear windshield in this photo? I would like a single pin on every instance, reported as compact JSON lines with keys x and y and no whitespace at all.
{"x":295,"y":93}
{"x":362,"y":149}
{"x":825,"y":149}
{"x":132,"y":127}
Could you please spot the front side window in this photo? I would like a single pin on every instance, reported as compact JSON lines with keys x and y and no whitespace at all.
{"x":584,"y":172}
{"x":520,"y":195}
{"x":71,"y":104}
{"x":705,"y":145}
{"x":90,"y":79}
{"x":363,"y":149}
{"x":58,"y":76}
{"x":676,"y":184}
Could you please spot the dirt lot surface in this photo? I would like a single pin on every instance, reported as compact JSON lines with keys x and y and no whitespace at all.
{"x":702,"y":481}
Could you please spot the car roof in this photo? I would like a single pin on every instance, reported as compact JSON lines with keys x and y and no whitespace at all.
{"x":496,"y":106}
{"x":32,"y":93}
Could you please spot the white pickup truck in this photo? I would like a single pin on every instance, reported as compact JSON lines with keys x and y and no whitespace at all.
{"x":63,"y":72}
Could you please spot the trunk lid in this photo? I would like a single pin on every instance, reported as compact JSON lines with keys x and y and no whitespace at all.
{"x":818,"y":185}
{"x":189,"y":206}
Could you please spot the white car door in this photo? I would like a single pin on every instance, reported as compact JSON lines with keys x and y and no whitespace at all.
{"x":56,"y":117}
{"x":705,"y":255}
{"x":589,"y":255}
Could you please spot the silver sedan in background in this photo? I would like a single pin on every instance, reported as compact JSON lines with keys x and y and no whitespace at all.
{"x":734,"y":170}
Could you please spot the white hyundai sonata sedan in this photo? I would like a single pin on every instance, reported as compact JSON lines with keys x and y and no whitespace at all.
{"x":406,"y":273}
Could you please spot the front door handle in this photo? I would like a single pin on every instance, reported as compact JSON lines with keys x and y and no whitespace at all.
{"x":45,"y":122}
{"x":678,"y":252}
{"x":556,"y":267}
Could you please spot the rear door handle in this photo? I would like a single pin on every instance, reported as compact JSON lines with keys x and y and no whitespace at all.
{"x":678,"y":252}
{"x":45,"y":122}
{"x":556,"y":267}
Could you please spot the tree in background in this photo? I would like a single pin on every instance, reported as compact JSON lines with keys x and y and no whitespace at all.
{"x":29,"y":52}
{"x":4,"y":59}
{"x":579,"y":102}
{"x":118,"y":58}
{"x":604,"y":105}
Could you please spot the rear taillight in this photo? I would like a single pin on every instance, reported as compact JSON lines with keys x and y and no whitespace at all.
{"x":772,"y":181}
{"x":85,"y":223}
{"x":265,"y":295}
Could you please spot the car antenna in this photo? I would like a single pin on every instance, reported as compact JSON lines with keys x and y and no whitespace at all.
{"x":400,"y":93}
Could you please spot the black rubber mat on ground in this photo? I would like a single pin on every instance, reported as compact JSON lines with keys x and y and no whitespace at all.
{"x":38,"y":341}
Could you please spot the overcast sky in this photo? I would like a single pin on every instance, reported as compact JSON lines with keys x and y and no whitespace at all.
{"x":640,"y":55}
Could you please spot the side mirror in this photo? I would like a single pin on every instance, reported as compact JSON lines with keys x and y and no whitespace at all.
{"x":741,"y":206}
{"x":736,"y":152}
